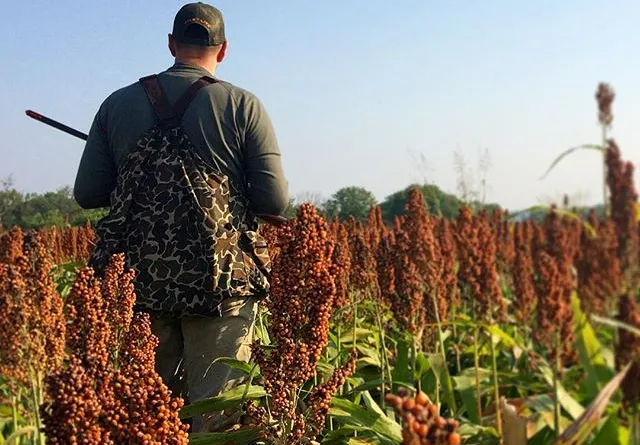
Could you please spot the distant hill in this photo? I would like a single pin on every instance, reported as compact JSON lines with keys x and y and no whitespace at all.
{"x":538,"y":213}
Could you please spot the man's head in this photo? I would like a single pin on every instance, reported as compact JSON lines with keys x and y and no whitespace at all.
{"x":198,"y":36}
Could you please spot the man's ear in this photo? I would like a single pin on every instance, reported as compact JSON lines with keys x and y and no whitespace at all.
{"x":172,"y":45}
{"x":222,"y":53}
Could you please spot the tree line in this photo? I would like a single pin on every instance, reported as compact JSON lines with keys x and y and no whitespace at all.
{"x":356,"y":202}
{"x":36,"y":210}
{"x":59,"y":208}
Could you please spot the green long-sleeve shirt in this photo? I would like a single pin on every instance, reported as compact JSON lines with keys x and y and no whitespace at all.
{"x":226,"y":124}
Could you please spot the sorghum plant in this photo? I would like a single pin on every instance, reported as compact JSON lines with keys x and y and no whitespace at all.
{"x":300,"y":304}
{"x":524,"y":297}
{"x":624,"y":213}
{"x":108,"y":392}
{"x":598,"y":267}
{"x":32,"y":332}
{"x":422,"y":425}
{"x":628,"y":349}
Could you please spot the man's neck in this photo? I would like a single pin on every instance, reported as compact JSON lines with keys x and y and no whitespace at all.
{"x":209,"y":67}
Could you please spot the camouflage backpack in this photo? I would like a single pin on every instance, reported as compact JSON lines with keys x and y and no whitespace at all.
{"x":184,"y":228}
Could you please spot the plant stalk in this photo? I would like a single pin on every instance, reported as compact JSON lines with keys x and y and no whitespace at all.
{"x":36,"y":408}
{"x":605,"y":197}
{"x":355,"y":324}
{"x":438,"y":386}
{"x":635,"y":426}
{"x":414,"y":359}
{"x":14,"y":411}
{"x":476,"y":361}
{"x":386,"y":356}
{"x":355,"y":320}
{"x":440,"y":335}
{"x":383,"y":354}
{"x":339,"y":348}
{"x":440,"y":344}
{"x":457,"y":350}
{"x":496,"y":387}
{"x":556,"y":399}
{"x":328,"y":358}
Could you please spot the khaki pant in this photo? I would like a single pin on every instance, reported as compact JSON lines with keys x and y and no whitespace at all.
{"x":189,"y":345}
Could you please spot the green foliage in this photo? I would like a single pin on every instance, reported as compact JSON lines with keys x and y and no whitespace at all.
{"x":566,"y":153}
{"x":233,"y":398}
{"x":290,"y":211}
{"x":246,"y":436}
{"x":439,"y":202}
{"x":580,"y":430}
{"x":361,"y":418}
{"x":35,"y":210}
{"x":357,"y":416}
{"x":538,"y":212}
{"x":587,"y":393}
{"x":350,"y":201}
{"x":59,"y":208}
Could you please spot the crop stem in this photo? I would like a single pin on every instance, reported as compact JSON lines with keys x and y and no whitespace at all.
{"x":605,"y":198}
{"x":355,"y":319}
{"x":456,"y":348}
{"x":496,"y":387}
{"x":634,"y":423}
{"x":35,"y":393}
{"x":339,"y":348}
{"x":476,"y":361}
{"x":383,"y":354}
{"x":556,"y":399}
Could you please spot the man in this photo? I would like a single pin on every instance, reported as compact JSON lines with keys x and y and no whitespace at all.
{"x":228,"y":128}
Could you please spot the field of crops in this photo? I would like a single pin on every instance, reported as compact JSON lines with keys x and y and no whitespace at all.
{"x":476,"y":330}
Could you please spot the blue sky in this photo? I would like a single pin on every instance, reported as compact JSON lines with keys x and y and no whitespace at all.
{"x":357,"y":90}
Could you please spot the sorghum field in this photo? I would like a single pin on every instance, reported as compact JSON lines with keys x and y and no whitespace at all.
{"x":478,"y":330}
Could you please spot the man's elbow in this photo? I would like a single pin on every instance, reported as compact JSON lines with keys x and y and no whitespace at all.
{"x":82,"y":199}
{"x":86,"y":200}
{"x":273,"y":204}
{"x":280,"y":204}
{"x":276,"y":207}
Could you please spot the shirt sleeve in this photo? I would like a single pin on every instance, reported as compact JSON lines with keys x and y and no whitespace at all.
{"x":267,"y":186}
{"x":97,"y":172}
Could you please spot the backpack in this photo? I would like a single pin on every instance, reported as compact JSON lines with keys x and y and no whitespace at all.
{"x":184,"y":228}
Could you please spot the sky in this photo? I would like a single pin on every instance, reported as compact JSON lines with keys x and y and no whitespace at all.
{"x":378,"y":94}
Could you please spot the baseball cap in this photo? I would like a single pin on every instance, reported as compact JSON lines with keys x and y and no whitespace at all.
{"x":209,"y":20}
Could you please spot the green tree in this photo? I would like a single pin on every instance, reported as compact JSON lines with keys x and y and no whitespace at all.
{"x":438,"y":202}
{"x":10,"y":201}
{"x":350,"y":201}
{"x":35,"y":210}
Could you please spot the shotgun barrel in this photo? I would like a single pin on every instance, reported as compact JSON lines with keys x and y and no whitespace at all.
{"x":55,"y":124}
{"x":271,"y":219}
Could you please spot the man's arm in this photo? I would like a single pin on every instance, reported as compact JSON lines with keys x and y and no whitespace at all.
{"x":97,"y":173}
{"x":267,"y":186}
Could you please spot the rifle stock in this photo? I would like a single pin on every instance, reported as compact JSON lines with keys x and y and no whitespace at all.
{"x":270,"y":219}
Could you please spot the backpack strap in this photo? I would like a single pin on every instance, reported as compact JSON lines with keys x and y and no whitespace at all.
{"x":166,"y":113}
{"x":156,"y":96}
{"x":183,"y":103}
